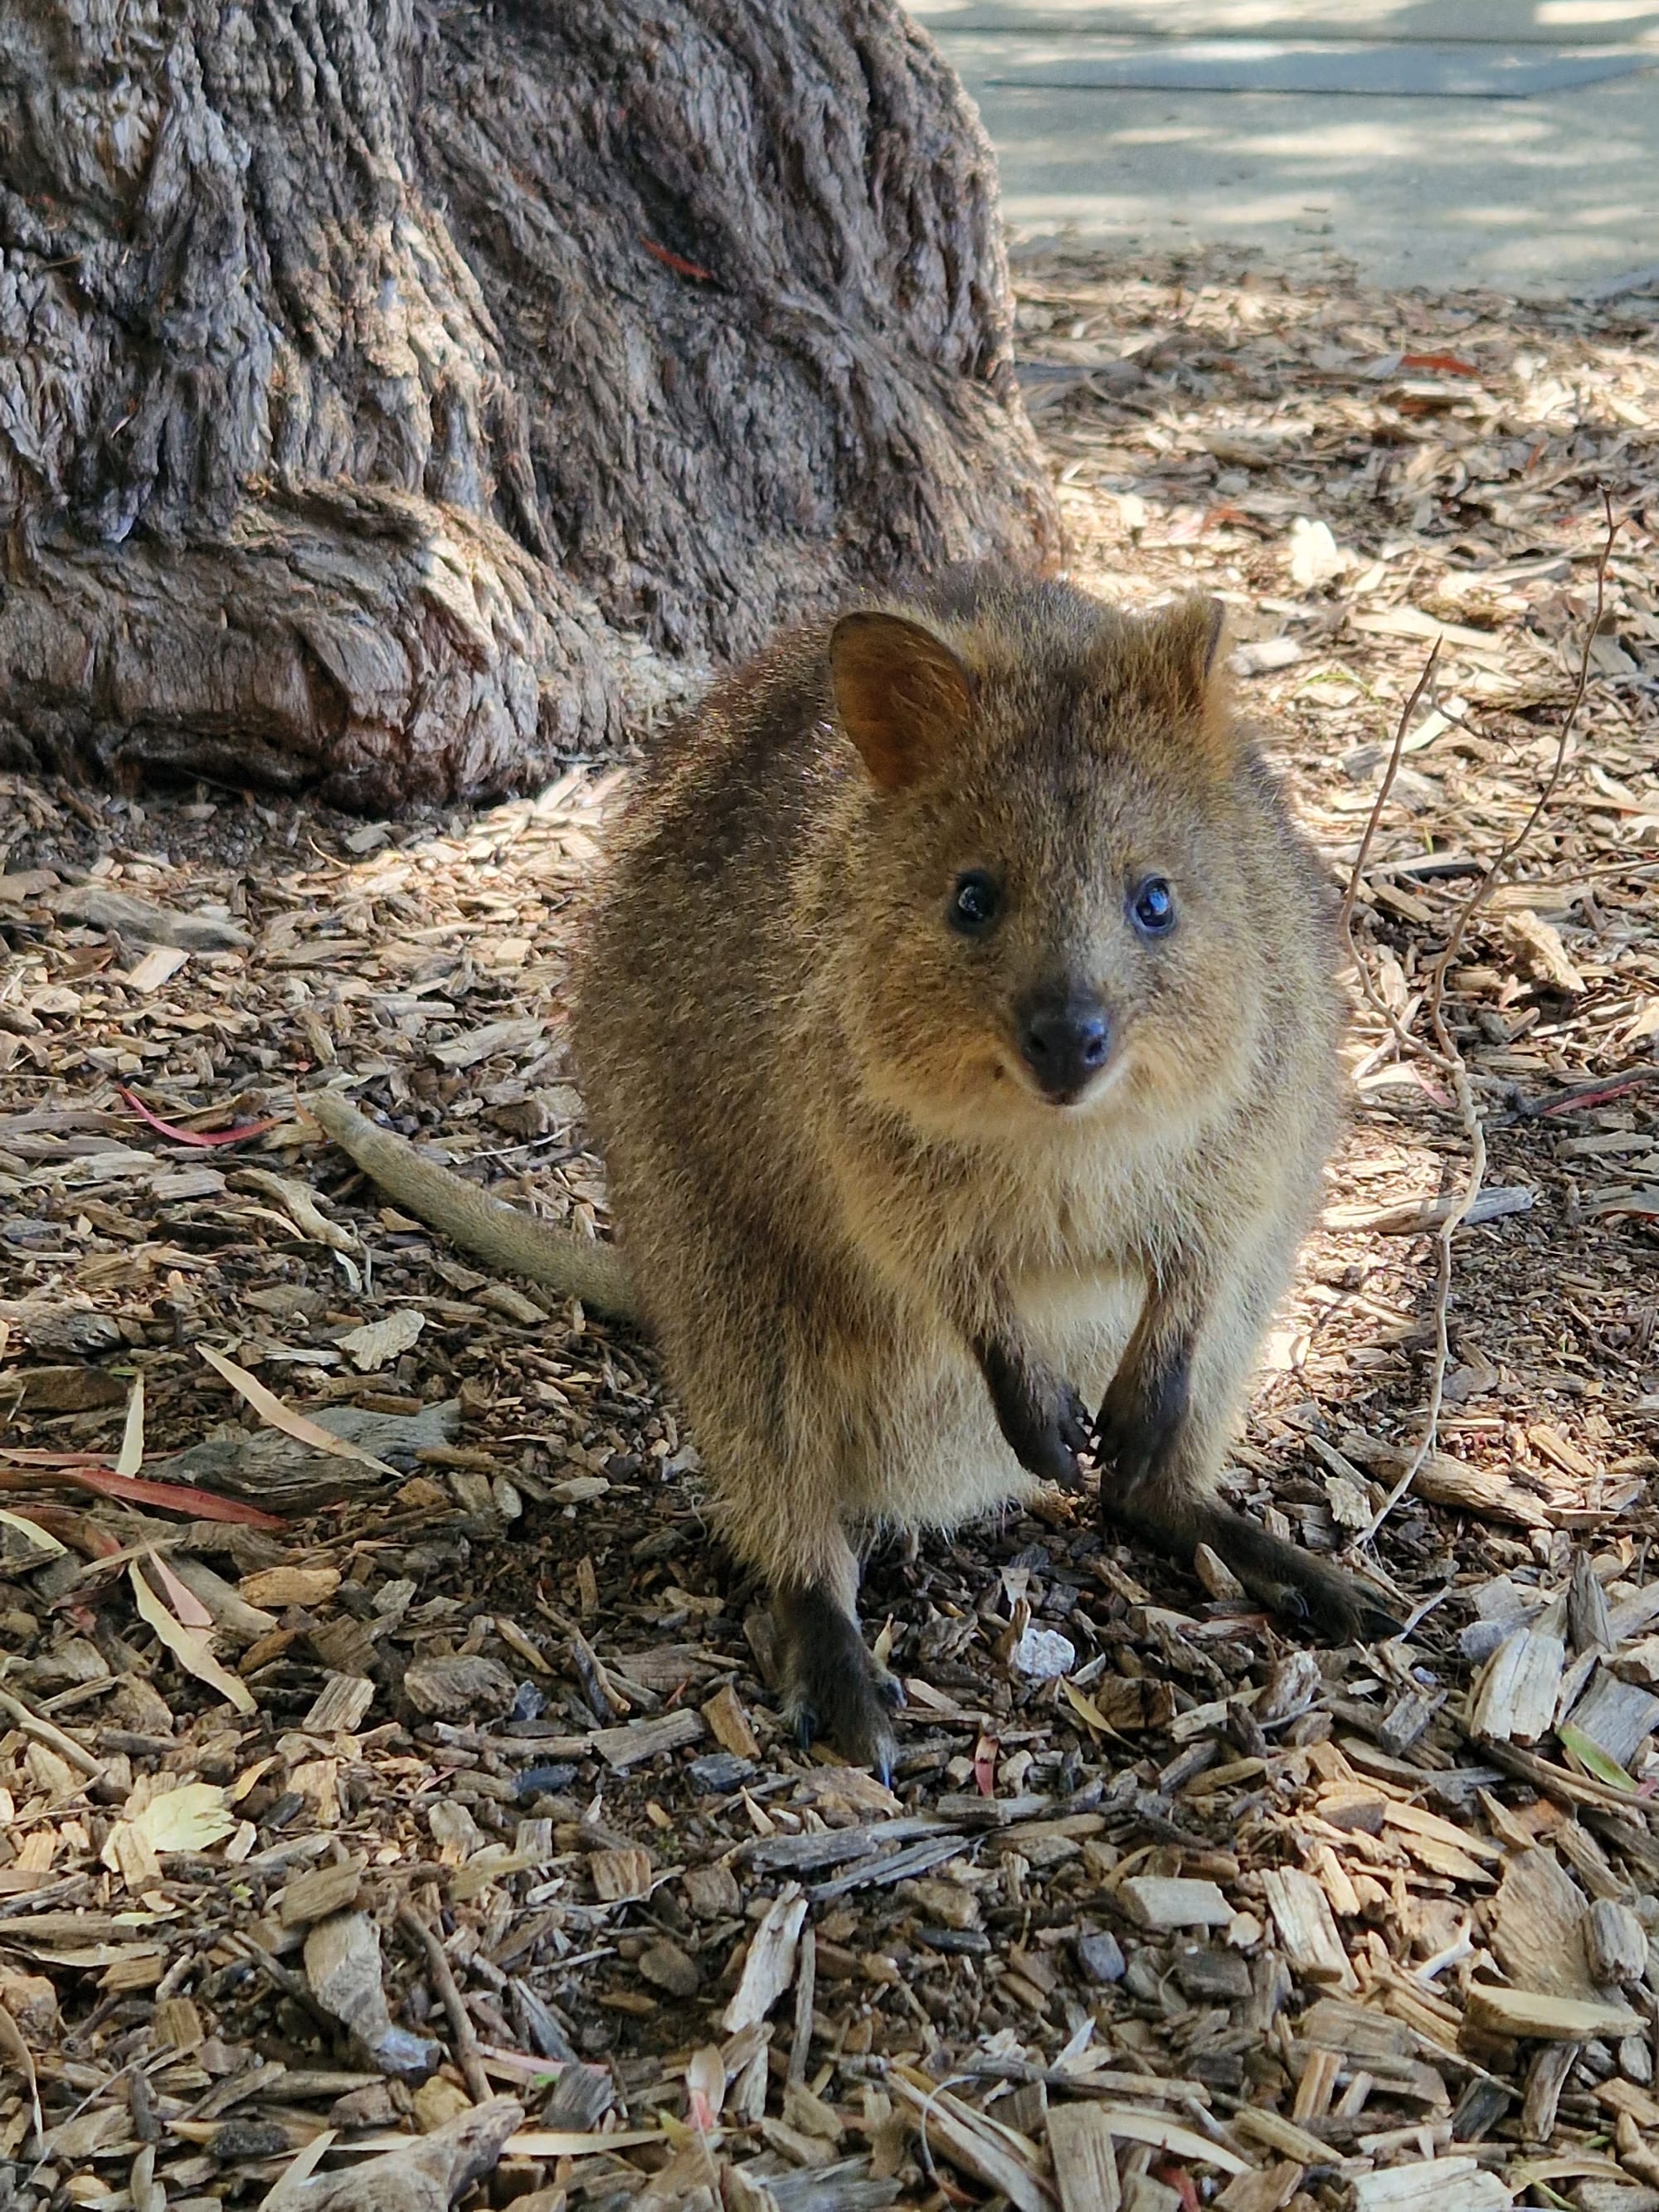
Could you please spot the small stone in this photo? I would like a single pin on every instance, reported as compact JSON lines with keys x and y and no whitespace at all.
{"x":669,"y":1968}
{"x":241,"y":2142}
{"x":1042,"y":1654}
{"x":529,"y":1702}
{"x":471,"y":1490}
{"x":1100,"y":1957}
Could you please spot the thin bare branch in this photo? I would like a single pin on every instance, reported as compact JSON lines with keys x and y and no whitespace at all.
{"x":1346,"y":918}
{"x":1448,"y":1056}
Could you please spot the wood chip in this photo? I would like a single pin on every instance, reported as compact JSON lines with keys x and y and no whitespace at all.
{"x":769,"y":1967}
{"x":1514,"y":1697}
{"x":1302,"y":1915}
{"x":1538,"y":1926}
{"x":1086,"y":2161}
{"x":345,"y":1974}
{"x":1538,"y":2013}
{"x":378,"y":1343}
{"x":1158,"y":1901}
{"x":1615,"y":1716}
{"x":1134,"y":2124}
{"x":622,"y":1748}
{"x":992,"y":2154}
{"x":319,"y":1892}
{"x":618,"y":1875}
{"x":1615,"y":1943}
{"x":141,"y":922}
{"x":340,"y":1704}
{"x":274,"y":1587}
{"x":1432,"y":2185}
{"x":728,"y":1723}
{"x":1263,"y":2189}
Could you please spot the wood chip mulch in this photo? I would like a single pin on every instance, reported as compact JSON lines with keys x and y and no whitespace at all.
{"x":394,"y":1808}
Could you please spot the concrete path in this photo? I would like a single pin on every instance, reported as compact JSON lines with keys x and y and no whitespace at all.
{"x":1512,"y":143}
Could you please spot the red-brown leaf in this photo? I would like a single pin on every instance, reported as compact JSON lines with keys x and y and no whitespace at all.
{"x":205,"y":1139}
{"x":138,"y":1490}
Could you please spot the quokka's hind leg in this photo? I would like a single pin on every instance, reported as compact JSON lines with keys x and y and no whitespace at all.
{"x":777,"y":1420}
{"x":783,"y":1516}
{"x":832,"y":1685}
{"x":1162,"y":1430}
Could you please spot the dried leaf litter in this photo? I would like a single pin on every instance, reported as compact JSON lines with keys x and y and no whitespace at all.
{"x":391,"y":1798}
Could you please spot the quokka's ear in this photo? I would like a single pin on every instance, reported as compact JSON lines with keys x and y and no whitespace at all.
{"x":1179,"y":671}
{"x":902,"y":696}
{"x":1185,"y":639}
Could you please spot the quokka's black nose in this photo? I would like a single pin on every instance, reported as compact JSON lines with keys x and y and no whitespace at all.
{"x":1064,"y":1043}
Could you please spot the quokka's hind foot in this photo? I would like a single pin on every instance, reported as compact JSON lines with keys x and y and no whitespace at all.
{"x":1344,"y":1608}
{"x":832,"y":1686}
{"x":1341,"y":1607}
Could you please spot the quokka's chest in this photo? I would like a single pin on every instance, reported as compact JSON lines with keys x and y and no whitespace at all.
{"x":1080,"y":1324}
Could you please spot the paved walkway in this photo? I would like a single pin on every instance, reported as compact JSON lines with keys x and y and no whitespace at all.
{"x":1509,"y":142}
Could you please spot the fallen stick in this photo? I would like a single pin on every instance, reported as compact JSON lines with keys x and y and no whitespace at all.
{"x":467,"y":2055}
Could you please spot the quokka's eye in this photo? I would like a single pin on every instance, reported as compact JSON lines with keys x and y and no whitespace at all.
{"x":975,"y":903}
{"x":1153,"y":907}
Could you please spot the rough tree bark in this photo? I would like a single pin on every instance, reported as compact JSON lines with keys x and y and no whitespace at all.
{"x":390,"y":393}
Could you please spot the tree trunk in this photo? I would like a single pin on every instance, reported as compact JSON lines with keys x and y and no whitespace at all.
{"x":394,"y":398}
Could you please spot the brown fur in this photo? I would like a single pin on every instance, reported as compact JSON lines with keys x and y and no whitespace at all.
{"x":870,"y":1247}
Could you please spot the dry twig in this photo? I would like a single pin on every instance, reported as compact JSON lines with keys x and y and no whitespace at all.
{"x":467,"y":2056}
{"x":1447,"y":1053}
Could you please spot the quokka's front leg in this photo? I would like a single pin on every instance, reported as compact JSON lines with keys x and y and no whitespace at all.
{"x":1162,"y":1430}
{"x":1044,"y":1420}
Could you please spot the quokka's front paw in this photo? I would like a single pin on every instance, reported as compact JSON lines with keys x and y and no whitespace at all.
{"x":1043,"y":1418}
